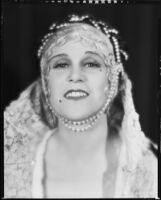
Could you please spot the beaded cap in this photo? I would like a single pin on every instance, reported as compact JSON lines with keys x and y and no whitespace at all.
{"x":111,"y":33}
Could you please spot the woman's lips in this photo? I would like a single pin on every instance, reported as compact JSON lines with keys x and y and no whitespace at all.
{"x":76,"y":94}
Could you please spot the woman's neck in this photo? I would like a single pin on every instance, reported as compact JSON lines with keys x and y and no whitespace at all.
{"x":84,"y":143}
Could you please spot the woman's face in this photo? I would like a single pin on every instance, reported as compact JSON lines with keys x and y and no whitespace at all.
{"x":77,"y":80}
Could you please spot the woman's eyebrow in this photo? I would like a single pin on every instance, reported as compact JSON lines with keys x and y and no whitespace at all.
{"x":93,"y":53}
{"x":96,"y":54}
{"x":57,"y":56}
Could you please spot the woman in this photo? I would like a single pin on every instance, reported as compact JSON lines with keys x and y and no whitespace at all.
{"x":75,"y":132}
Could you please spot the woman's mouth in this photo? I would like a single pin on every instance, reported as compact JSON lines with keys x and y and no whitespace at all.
{"x":76,"y":94}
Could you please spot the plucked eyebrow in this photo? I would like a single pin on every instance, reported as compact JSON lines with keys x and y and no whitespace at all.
{"x":96,"y":54}
{"x":93,"y":53}
{"x":65,"y":55}
{"x":57,"y":56}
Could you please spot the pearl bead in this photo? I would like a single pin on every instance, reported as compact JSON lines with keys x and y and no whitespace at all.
{"x":77,"y":130}
{"x":73,"y":129}
{"x":32,"y":162}
{"x":75,"y":123}
{"x":78,"y":123}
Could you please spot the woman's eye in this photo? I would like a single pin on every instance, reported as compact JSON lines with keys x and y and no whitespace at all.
{"x":61,"y":65}
{"x":92,"y":65}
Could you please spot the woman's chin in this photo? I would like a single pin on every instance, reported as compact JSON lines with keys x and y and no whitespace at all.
{"x":76,"y":116}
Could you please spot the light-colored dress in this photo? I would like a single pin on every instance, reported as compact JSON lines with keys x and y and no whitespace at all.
{"x":25,"y":138}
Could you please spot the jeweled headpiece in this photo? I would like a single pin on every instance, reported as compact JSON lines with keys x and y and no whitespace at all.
{"x":110,"y":33}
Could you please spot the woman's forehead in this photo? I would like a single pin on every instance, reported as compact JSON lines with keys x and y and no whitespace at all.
{"x":86,"y":36}
{"x":74,"y":49}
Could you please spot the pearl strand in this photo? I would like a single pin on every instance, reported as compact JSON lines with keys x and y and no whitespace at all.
{"x":96,"y":24}
{"x":44,"y":42}
{"x":75,"y":18}
{"x":124,"y":54}
{"x":117,"y":50}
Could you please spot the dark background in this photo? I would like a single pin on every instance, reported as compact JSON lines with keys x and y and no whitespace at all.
{"x":23,"y":26}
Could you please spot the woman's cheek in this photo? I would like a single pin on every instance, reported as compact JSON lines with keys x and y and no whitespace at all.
{"x":56,"y":94}
{"x":52,"y":91}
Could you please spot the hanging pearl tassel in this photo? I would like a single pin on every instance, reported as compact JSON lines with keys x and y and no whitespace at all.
{"x":124,"y":54}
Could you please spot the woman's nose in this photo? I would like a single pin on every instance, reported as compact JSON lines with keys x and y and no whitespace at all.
{"x":76,"y":75}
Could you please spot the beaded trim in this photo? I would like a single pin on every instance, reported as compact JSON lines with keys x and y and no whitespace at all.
{"x":99,"y":25}
{"x":84,"y":34}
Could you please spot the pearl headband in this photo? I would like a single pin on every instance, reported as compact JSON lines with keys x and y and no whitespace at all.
{"x":102,"y":27}
{"x":83,"y":32}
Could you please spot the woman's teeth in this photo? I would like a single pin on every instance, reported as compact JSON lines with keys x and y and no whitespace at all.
{"x":76,"y":94}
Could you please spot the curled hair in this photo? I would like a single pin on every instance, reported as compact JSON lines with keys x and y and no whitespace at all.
{"x":116,"y":110}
